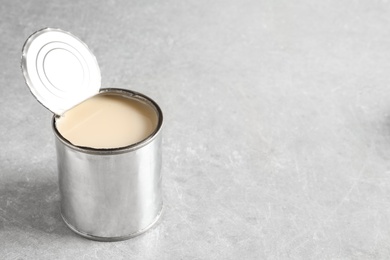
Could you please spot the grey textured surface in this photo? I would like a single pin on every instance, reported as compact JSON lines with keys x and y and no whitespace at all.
{"x":277,"y":131}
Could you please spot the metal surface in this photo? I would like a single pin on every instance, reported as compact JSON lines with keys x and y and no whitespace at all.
{"x":111,"y":194}
{"x":59,"y":69}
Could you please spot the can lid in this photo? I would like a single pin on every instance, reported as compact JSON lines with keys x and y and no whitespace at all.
{"x":59,"y":69}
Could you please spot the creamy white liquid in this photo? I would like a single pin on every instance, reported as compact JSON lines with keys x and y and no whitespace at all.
{"x":107,"y":121}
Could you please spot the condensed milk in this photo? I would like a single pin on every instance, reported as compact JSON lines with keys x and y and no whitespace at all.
{"x":107,"y":121}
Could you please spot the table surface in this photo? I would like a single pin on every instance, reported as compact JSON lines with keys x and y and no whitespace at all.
{"x":277,"y":127}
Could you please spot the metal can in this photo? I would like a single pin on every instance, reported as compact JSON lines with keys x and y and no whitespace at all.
{"x":111,"y":194}
{"x":106,"y":194}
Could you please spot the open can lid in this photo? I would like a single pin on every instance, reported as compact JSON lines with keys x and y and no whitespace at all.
{"x":59,"y":69}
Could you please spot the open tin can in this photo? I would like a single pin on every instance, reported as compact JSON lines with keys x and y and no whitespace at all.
{"x":109,"y":193}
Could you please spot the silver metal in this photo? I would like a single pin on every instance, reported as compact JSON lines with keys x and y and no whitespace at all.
{"x":111,"y":194}
{"x":60,"y":69}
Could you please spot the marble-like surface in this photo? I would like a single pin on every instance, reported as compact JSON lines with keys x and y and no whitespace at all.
{"x":277,"y":131}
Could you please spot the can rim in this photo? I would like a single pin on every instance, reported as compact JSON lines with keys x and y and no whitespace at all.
{"x":141,"y":231}
{"x":118,"y":150}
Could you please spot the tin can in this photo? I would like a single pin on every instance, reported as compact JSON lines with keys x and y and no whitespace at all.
{"x":111,"y":194}
{"x":106,"y":194}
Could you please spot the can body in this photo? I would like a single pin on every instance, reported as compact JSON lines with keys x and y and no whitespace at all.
{"x":111,"y":194}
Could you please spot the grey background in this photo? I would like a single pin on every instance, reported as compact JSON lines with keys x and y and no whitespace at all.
{"x":277,"y":131}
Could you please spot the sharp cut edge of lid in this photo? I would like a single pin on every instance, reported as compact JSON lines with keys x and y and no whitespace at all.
{"x":23,"y":65}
